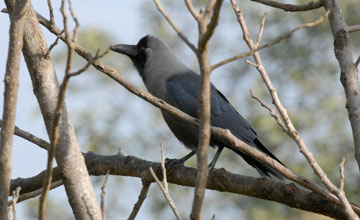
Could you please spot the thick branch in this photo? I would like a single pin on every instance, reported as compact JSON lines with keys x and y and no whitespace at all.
{"x":220,"y":180}
{"x":349,"y":72}
{"x":77,"y":182}
{"x":289,"y":7}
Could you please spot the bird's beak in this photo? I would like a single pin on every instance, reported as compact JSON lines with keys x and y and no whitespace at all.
{"x":129,"y":50}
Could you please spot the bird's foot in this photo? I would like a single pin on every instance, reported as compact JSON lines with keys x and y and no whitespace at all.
{"x":169,"y":163}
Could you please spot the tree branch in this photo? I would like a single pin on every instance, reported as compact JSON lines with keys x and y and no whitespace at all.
{"x":11,"y":80}
{"x":141,"y":199}
{"x":270,"y":43}
{"x":219,"y":179}
{"x":173,"y":25}
{"x":289,"y":7}
{"x":349,"y":72}
{"x":46,"y":88}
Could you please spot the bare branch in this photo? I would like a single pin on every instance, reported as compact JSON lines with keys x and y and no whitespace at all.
{"x":173,"y":25}
{"x":206,"y":26}
{"x":289,"y":7}
{"x":30,"y":137}
{"x":270,"y":43}
{"x":11,"y":84}
{"x":278,"y":191}
{"x":290,"y":127}
{"x":51,"y":12}
{"x":47,"y":55}
{"x":15,"y":194}
{"x":141,"y":199}
{"x":261,"y":31}
{"x":349,"y":72}
{"x":357,"y":62}
{"x":272,"y":111}
{"x":102,"y":195}
{"x":354,"y":28}
{"x":77,"y":24}
{"x":342,"y":176}
{"x":166,"y":194}
{"x":35,"y":193}
{"x":192,"y":10}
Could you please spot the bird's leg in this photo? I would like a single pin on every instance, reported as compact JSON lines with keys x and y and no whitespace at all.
{"x":216,"y":157}
{"x":187,"y":156}
{"x":171,"y":162}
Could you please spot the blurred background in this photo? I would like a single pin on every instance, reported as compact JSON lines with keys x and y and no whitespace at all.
{"x":107,"y":117}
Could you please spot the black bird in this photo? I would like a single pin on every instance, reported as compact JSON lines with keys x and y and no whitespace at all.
{"x":168,"y":79}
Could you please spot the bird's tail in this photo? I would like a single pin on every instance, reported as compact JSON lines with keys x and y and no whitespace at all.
{"x":264,"y":170}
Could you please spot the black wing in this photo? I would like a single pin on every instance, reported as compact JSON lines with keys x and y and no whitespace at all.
{"x":183,"y":91}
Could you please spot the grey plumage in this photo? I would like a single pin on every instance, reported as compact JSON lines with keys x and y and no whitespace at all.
{"x":169,"y":79}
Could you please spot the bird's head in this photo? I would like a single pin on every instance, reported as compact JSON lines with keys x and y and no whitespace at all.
{"x":143,"y":53}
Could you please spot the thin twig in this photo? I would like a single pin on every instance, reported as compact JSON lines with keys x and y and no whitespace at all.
{"x":192,"y":10}
{"x":272,"y":111}
{"x":77,"y":24}
{"x":357,"y":62}
{"x":270,"y":43}
{"x":354,"y":28}
{"x":36,"y":193}
{"x":47,"y":55}
{"x":163,"y":167}
{"x":288,"y":123}
{"x":289,"y":7}
{"x":51,"y":12}
{"x":261,"y":31}
{"x":173,"y":25}
{"x":141,"y":199}
{"x":88,"y":64}
{"x":102,"y":195}
{"x":30,"y":137}
{"x":342,"y":175}
{"x":15,"y":194}
{"x":166,"y":194}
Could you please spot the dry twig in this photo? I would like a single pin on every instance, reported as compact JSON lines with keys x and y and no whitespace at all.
{"x":342,"y":175}
{"x":36,"y":193}
{"x":141,"y":199}
{"x":270,"y":43}
{"x":164,"y":186}
{"x":102,"y":195}
{"x":15,"y":194}
{"x":289,"y":7}
{"x":354,"y":28}
{"x":173,"y":25}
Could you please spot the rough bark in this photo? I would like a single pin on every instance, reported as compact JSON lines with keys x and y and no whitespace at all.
{"x":68,"y":156}
{"x":219,"y":179}
{"x":11,"y":81}
{"x":349,"y":72}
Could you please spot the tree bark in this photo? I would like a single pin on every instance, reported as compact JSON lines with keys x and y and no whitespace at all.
{"x":11,"y":81}
{"x":349,"y":72}
{"x":219,"y":179}
{"x":68,"y":156}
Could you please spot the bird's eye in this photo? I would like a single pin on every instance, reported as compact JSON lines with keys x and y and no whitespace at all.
{"x":142,"y":48}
